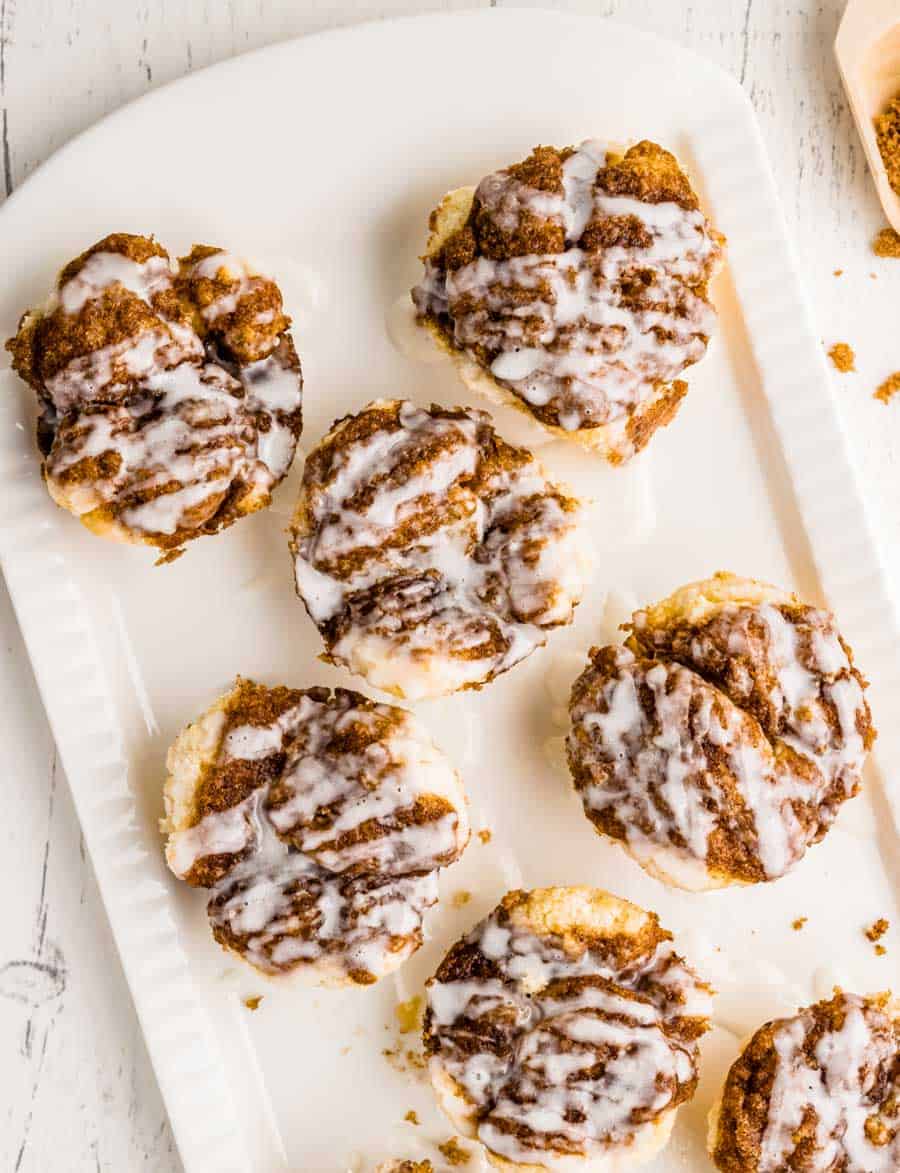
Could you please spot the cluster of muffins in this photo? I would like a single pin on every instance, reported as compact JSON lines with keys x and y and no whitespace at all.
{"x":716,"y":743}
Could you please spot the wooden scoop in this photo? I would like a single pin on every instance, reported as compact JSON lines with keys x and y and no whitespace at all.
{"x":867,"y":48}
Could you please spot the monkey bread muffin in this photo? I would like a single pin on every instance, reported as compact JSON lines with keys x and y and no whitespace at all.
{"x":431,"y":555}
{"x":718,"y":744}
{"x":817,"y":1093}
{"x":318,"y":821}
{"x":563,"y":1032}
{"x":169,"y":392}
{"x":573,"y":285}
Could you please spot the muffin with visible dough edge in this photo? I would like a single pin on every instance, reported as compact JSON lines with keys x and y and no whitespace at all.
{"x":317,"y":821}
{"x":720,"y":741}
{"x":169,"y":392}
{"x":559,"y":992}
{"x":573,"y":286}
{"x":432,"y":555}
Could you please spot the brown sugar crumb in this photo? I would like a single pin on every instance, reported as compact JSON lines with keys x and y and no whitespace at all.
{"x":838,"y":272}
{"x":411,"y":1117}
{"x":887,"y":135}
{"x":889,"y":388}
{"x":405,"y":1062}
{"x":886,"y":243}
{"x":253,"y":1002}
{"x":485,"y":835}
{"x":877,"y":930}
{"x":842,"y":357}
{"x":461,"y":898}
{"x":454,"y":1153}
{"x":798,"y":924}
{"x":409,"y":1015}
{"x":880,"y":950}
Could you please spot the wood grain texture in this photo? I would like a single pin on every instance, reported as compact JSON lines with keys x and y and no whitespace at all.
{"x":76,"y":1088}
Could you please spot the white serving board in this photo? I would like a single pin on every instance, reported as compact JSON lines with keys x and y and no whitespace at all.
{"x":321,"y":158}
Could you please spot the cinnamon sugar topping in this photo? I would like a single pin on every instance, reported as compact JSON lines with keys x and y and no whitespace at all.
{"x":842,"y":357}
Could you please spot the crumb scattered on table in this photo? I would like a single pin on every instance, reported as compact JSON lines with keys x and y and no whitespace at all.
{"x":842,"y":357}
{"x":252,"y":1003}
{"x":409,"y":1014}
{"x":461,"y":898}
{"x":877,"y":930}
{"x":405,"y":1061}
{"x":454,"y":1153}
{"x":886,"y":243}
{"x":880,"y":950}
{"x":889,"y":388}
{"x":798,"y":924}
{"x":485,"y":835}
{"x":838,"y":272}
{"x":411,"y":1117}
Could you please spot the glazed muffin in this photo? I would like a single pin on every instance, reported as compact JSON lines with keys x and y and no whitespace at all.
{"x":818,"y":1092}
{"x":563,"y":1032}
{"x":318,"y":821}
{"x":718,"y":744}
{"x":574,"y":286}
{"x":431,"y":555}
{"x":169,"y":392}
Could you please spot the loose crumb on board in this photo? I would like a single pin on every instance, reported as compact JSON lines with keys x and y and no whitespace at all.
{"x":839,"y":272}
{"x":880,"y":950}
{"x":877,"y":930}
{"x":886,"y":243}
{"x":842,"y":357}
{"x":411,"y":1117}
{"x":798,"y":924}
{"x":485,"y":835}
{"x":252,"y":1003}
{"x":409,"y":1015}
{"x":461,"y":898}
{"x":889,"y":388}
{"x":405,"y":1061}
{"x":454,"y":1153}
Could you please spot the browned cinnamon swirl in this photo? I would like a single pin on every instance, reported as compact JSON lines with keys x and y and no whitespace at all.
{"x":432,"y":555}
{"x":819,"y":1092}
{"x":562,"y":1031}
{"x":573,"y":285}
{"x":169,"y":392}
{"x":721,"y":740}
{"x":318,"y":820}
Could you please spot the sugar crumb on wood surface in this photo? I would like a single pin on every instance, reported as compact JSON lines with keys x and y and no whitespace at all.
{"x":886,"y":243}
{"x":252,"y":1002}
{"x":889,"y":388}
{"x":485,"y":835}
{"x":411,"y":1117}
{"x":842,"y":357}
{"x":798,"y":924}
{"x":877,"y":930}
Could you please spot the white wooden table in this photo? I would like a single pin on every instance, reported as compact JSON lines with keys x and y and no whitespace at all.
{"x":76,"y":1088}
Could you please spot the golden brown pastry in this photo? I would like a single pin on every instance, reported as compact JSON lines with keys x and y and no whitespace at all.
{"x":573,"y":285}
{"x":318,"y":820}
{"x":720,"y":741}
{"x":817,"y":1093}
{"x":562,"y":1032}
{"x":169,"y":392}
{"x":432,"y":555}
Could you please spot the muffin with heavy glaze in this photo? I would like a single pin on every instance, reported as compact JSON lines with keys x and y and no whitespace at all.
{"x":720,"y":741}
{"x":574,"y":286}
{"x":169,"y":392}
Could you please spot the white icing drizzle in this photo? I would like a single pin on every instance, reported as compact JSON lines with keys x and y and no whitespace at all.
{"x":854,"y":1072}
{"x":666,"y":748}
{"x":492,"y":560}
{"x":581,"y":1055}
{"x":164,"y":410}
{"x":560,"y":328}
{"x":336,"y":857}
